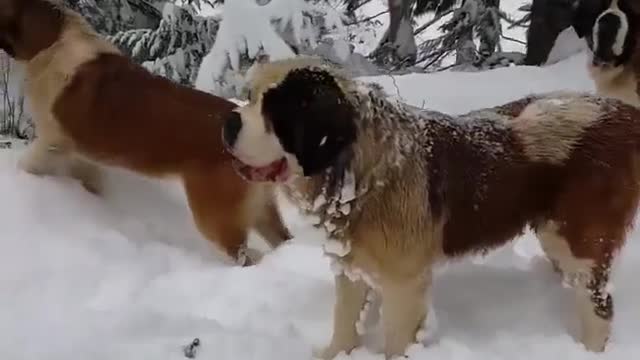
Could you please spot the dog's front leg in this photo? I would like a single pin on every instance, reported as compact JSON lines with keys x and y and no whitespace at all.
{"x":350,"y":298}
{"x":403,"y":311}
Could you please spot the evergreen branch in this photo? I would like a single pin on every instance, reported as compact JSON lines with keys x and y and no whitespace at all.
{"x":432,"y":21}
{"x":369,"y":18}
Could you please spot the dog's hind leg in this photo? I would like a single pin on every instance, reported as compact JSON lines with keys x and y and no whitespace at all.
{"x":269,"y":223}
{"x":44,"y":156}
{"x":585,"y":232}
{"x":350,"y":299}
{"x":403,"y":311}
{"x":589,"y":277}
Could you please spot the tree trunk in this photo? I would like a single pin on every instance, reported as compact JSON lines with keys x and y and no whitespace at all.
{"x":490,"y":29}
{"x":398,"y":45}
{"x":548,"y":19}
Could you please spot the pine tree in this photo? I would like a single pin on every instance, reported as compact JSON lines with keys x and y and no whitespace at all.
{"x":111,"y":16}
{"x":471,"y":19}
{"x":175,"y":48}
{"x":279,"y":29}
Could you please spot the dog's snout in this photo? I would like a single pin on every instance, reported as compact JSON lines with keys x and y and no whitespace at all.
{"x":232,"y":127}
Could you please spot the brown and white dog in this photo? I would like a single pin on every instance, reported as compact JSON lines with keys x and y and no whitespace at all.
{"x":611,"y":30}
{"x":398,"y":189}
{"x":92,"y":105}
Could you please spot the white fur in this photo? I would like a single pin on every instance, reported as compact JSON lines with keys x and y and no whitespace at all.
{"x":549,"y":129}
{"x":255,"y":146}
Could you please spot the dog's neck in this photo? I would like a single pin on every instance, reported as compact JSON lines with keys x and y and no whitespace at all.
{"x":52,"y":68}
{"x":620,"y":83}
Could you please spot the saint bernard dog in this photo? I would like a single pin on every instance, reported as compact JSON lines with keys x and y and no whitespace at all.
{"x":399,"y":189}
{"x":92,"y":105}
{"x":610,"y":28}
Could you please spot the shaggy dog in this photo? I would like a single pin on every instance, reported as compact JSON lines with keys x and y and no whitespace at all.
{"x":92,"y":105}
{"x":398,"y":189}
{"x":611,"y":29}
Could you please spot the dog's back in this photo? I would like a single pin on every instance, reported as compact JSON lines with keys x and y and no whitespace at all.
{"x":159,"y":125}
{"x":506,"y":167}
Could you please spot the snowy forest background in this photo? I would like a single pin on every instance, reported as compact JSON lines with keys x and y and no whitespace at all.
{"x":210,"y":44}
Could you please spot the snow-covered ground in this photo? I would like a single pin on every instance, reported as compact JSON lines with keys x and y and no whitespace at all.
{"x":128,"y":277}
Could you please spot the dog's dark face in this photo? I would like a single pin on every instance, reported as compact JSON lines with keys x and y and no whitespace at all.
{"x":28,"y":27}
{"x":609,"y":27}
{"x":299,"y":125}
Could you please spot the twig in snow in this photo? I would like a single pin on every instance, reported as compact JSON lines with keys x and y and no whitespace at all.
{"x":395,"y":84}
{"x":191,"y":349}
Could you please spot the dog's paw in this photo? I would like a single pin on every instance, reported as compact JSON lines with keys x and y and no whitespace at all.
{"x":327,"y":353}
{"x":89,"y":174}
{"x":248,"y":257}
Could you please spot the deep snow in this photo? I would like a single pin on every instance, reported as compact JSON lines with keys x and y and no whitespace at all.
{"x":128,"y":276}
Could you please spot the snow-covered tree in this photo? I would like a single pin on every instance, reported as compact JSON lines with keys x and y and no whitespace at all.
{"x":176,"y":47}
{"x":112,"y":16}
{"x":276,"y":29}
{"x":471,"y":20}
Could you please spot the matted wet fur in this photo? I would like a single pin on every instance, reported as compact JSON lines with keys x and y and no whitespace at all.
{"x":91,"y":105}
{"x":611,"y":29}
{"x":399,"y":189}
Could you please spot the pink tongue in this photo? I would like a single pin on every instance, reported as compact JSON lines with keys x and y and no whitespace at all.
{"x":271,"y":172}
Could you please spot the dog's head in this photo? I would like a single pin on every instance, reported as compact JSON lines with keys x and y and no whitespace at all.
{"x":298,"y":122}
{"x":609,"y":27}
{"x":29,"y":26}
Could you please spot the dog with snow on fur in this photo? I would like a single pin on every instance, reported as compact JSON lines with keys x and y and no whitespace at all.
{"x":94,"y":106}
{"x":610,"y":28}
{"x":398,"y":190}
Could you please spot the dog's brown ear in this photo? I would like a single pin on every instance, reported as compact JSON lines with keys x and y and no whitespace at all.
{"x":37,"y":24}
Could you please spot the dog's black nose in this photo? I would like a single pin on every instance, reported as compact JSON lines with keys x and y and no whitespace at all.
{"x":232,"y":127}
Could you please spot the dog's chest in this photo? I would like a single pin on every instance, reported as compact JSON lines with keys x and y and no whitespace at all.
{"x":329,"y":209}
{"x":333,"y":211}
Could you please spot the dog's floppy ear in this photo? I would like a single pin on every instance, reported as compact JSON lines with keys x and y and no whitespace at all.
{"x":312,"y":118}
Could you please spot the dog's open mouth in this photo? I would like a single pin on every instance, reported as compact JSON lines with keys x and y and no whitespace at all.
{"x":277,"y":171}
